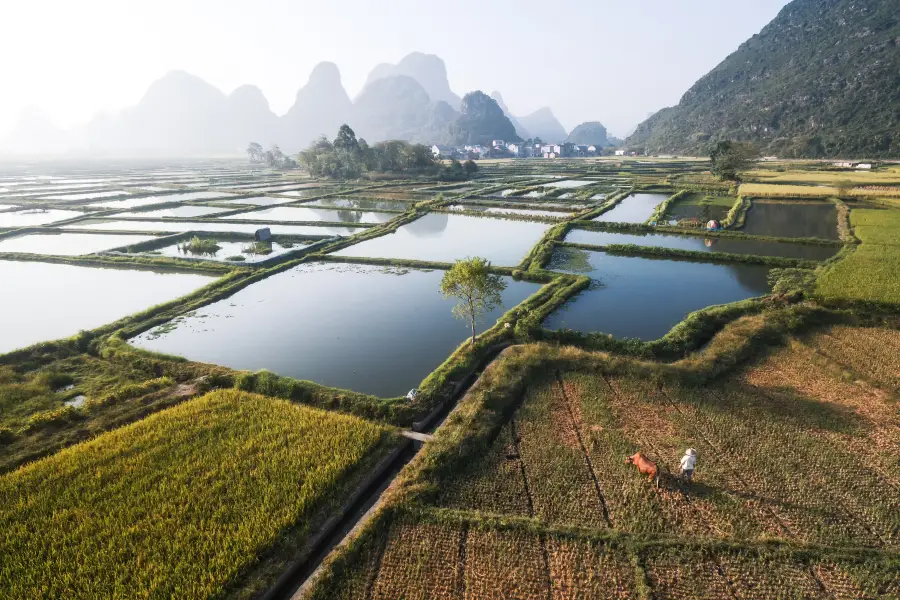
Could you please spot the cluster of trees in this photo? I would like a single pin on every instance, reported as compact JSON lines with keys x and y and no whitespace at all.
{"x":273,"y":157}
{"x":730,"y":158}
{"x":349,"y":158}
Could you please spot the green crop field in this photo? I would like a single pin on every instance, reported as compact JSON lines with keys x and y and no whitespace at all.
{"x":182,"y":504}
{"x":871,"y":272}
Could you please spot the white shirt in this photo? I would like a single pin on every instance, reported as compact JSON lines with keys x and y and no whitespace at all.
{"x":687,"y":462}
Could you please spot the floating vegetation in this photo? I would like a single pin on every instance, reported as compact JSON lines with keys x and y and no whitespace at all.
{"x":199,"y":245}
{"x":262,"y":248}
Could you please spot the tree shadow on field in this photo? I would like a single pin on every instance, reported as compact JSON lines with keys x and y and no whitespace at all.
{"x":785,"y":405}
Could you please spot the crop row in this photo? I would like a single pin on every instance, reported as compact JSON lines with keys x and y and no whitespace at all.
{"x":182,"y":503}
{"x":783,"y":454}
{"x":420,"y":558}
{"x":870,"y":351}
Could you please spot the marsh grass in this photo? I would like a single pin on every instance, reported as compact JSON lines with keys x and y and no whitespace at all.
{"x":197,"y":245}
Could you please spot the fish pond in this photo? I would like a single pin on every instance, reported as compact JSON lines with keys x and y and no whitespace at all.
{"x":312,"y":322}
{"x":68,"y":244}
{"x":246,"y":251}
{"x":294,"y":213}
{"x":703,"y":244}
{"x":53,"y":301}
{"x":442,"y":237}
{"x":645,"y":297}
{"x":799,"y":218}
{"x":636,"y":208}
{"x":223,"y":227}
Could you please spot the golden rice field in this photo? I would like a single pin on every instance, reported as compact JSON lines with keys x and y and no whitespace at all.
{"x":181,"y":504}
{"x":882,"y":176}
{"x":773,"y":190}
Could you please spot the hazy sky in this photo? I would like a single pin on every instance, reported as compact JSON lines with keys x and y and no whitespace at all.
{"x":587,"y":59}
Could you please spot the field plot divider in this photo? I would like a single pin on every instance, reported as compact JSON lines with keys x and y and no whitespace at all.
{"x":587,"y":457}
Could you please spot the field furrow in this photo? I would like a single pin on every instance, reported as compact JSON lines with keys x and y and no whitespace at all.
{"x":559,"y":477}
{"x":420,"y":561}
{"x":505,"y":565}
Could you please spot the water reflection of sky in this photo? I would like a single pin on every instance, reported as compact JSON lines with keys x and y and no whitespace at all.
{"x":371,"y":329}
{"x":643,"y":297}
{"x":444,"y":237}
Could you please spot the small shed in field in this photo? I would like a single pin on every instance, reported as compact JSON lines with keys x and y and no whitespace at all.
{"x":263,"y":235}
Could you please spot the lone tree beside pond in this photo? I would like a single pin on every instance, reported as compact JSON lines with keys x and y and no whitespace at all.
{"x":476,"y":289}
{"x":730,"y":158}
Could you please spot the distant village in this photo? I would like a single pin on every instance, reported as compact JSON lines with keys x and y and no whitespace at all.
{"x":502,"y":149}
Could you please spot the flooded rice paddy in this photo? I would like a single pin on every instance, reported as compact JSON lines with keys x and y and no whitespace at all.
{"x":800,"y":218}
{"x":257,"y":201}
{"x":703,"y":244}
{"x":528,"y":212}
{"x":443,"y":237}
{"x":88,"y":196}
{"x":360,"y":204}
{"x":53,"y":301}
{"x":223,"y":227}
{"x":636,"y":208}
{"x":293,"y":213}
{"x":68,"y":244}
{"x":569,"y":183}
{"x":158,"y":199}
{"x":313,"y":322}
{"x":181,"y":212}
{"x":645,"y":297}
{"x":31,"y":217}
{"x":248,"y":251}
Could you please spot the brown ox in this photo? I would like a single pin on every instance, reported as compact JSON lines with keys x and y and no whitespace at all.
{"x":645,"y":466}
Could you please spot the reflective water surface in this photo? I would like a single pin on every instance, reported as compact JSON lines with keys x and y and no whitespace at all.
{"x":371,"y":329}
{"x":443,"y":237}
{"x":645,"y":297}
{"x":42,"y":301}
{"x":702,"y":244}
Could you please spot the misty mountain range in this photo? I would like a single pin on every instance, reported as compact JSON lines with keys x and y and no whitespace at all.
{"x":180,"y":114}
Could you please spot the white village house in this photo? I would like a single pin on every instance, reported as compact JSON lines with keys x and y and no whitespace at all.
{"x":440,"y":151}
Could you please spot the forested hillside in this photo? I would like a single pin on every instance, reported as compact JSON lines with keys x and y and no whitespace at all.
{"x":821,"y":80}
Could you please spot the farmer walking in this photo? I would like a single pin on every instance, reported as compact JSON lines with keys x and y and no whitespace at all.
{"x":687,"y":464}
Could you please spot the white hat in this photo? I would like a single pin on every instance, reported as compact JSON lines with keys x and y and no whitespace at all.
{"x":691,"y":451}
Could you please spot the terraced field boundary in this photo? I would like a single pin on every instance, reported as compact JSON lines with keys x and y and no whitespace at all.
{"x":664,"y":206}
